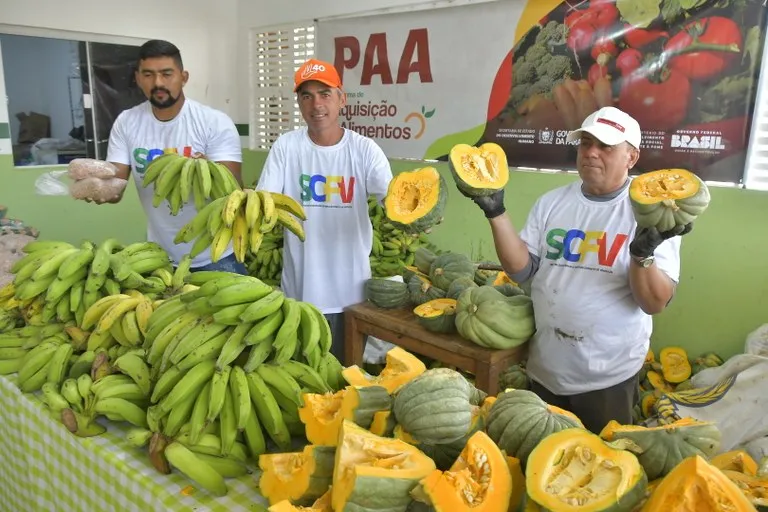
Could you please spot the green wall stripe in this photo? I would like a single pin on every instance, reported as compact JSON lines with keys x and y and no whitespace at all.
{"x":242,"y":129}
{"x":5,"y":131}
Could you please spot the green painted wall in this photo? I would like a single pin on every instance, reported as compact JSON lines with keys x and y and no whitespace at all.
{"x":724,"y":260}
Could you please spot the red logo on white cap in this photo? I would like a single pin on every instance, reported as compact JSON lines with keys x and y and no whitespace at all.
{"x":610,"y":123}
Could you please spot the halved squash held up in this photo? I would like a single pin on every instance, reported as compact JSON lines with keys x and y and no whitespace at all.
{"x":667,"y":198}
{"x":574,"y":470}
{"x":660,"y":449}
{"x":696,"y":485}
{"x":479,"y":480}
{"x":375,"y":473}
{"x":299,"y":477}
{"x":479,"y":171}
{"x":674,"y":364}
{"x":401,"y":367}
{"x":437,"y":315}
{"x":416,"y":199}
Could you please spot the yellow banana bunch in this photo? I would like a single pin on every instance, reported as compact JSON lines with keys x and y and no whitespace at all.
{"x":243,"y":219}
{"x":176,"y":178}
{"x":121,"y":319}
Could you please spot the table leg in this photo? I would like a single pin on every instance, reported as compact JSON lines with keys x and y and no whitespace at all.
{"x":487,"y":378}
{"x":354,"y":341}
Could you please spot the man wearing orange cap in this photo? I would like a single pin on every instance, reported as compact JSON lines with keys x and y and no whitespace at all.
{"x":331,"y":171}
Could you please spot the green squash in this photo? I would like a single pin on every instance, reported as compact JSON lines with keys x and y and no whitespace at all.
{"x":661,"y":448}
{"x":421,"y":290}
{"x":519,"y":420}
{"x":458,"y":286}
{"x":448,"y":267}
{"x":416,"y":200}
{"x":437,"y":315}
{"x":514,"y":377}
{"x":667,"y":198}
{"x":423,"y":259}
{"x":436,"y":407}
{"x":386,"y":293}
{"x":488,"y":318}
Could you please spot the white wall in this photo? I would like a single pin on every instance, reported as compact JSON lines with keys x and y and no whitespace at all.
{"x":204,"y":31}
{"x":37,"y":72}
{"x":262,"y":13}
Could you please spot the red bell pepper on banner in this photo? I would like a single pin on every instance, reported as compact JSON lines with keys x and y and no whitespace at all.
{"x":628,"y":61}
{"x":705,"y":48}
{"x":639,"y":37}
{"x":657,"y":105}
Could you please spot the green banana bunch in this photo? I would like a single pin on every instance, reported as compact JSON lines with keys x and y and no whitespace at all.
{"x":267,"y":263}
{"x":391,"y":248}
{"x":241,"y":219}
{"x":180,"y":180}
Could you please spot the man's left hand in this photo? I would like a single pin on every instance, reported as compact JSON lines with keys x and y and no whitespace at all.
{"x":648,"y":239}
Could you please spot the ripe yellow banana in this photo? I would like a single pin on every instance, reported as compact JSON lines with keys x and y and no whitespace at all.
{"x":291,"y":223}
{"x":269,"y":219}
{"x":289,"y":204}
{"x":115,"y":313}
{"x":252,"y":209}
{"x":240,"y":237}
{"x":95,"y":312}
{"x":232,"y":207}
{"x":220,"y":243}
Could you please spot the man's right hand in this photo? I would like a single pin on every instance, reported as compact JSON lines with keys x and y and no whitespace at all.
{"x":492,"y":205}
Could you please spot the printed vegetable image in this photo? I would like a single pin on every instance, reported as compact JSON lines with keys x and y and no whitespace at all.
{"x":687,"y":70}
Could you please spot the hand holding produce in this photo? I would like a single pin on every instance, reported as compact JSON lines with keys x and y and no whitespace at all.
{"x":94,"y":181}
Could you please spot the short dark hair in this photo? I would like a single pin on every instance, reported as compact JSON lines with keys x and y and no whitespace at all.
{"x":155,"y":48}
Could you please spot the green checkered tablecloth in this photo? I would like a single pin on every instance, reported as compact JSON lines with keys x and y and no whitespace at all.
{"x":44,"y":468}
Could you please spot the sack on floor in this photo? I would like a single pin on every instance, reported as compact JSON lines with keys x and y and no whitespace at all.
{"x":732,"y":396}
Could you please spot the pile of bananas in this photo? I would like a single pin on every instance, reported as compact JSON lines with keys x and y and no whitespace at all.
{"x":10,"y":313}
{"x":58,"y":281}
{"x":242,"y":218}
{"x":392,"y":249}
{"x":176,"y":177}
{"x":220,"y":371}
{"x":267,"y":263}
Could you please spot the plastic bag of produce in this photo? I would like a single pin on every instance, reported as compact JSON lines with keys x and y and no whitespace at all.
{"x":757,"y":341}
{"x":375,"y":348}
{"x":732,"y":396}
{"x":81,"y":168}
{"x":52,"y":184}
{"x":91,"y":188}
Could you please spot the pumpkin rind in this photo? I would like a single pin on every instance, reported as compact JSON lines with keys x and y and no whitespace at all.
{"x":575,"y":470}
{"x":448,"y":267}
{"x":375,"y":473}
{"x":514,"y":377}
{"x":674,"y":364}
{"x":490,"y":319}
{"x":458,"y":286}
{"x":298,"y":477}
{"x":423,"y":259}
{"x":667,"y":198}
{"x":437,"y":315}
{"x":479,"y":171}
{"x":478,"y":480}
{"x":662,"y":448}
{"x":519,"y":420}
{"x":416,"y":199}
{"x":401,"y":366}
{"x":695,"y":484}
{"x":386,"y":293}
{"x":421,"y":290}
{"x":436,"y":407}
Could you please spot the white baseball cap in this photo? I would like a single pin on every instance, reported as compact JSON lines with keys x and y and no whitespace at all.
{"x":610,"y":126}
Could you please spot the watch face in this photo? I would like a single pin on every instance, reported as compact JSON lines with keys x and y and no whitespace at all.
{"x":646,"y":262}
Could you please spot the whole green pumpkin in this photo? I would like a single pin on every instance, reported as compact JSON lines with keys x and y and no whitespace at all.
{"x":488,"y":318}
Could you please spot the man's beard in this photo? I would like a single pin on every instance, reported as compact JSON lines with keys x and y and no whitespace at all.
{"x":166,"y":103}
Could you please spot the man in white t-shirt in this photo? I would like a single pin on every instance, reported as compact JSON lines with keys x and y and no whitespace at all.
{"x":595,"y":278}
{"x":169,"y":122}
{"x":331,"y":171}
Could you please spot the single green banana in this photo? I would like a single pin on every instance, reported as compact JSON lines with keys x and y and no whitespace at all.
{"x":196,"y":469}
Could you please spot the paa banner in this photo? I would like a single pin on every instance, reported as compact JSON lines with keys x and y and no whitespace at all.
{"x":524,"y":73}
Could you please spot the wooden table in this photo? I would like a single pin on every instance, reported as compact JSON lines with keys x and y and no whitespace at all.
{"x":401,"y":327}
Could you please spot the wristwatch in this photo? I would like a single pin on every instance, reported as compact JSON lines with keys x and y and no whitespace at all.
{"x":644,"y":262}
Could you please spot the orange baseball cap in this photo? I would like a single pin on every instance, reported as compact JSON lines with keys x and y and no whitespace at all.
{"x":318,"y":70}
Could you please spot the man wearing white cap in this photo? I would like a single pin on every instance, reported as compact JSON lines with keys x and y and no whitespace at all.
{"x":595,"y":278}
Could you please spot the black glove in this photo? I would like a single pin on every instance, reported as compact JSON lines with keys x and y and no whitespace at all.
{"x":648,"y":239}
{"x":492,"y":205}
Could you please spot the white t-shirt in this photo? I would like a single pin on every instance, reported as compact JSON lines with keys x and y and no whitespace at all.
{"x":137,"y":137}
{"x":590,"y":332}
{"x":333,"y":183}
